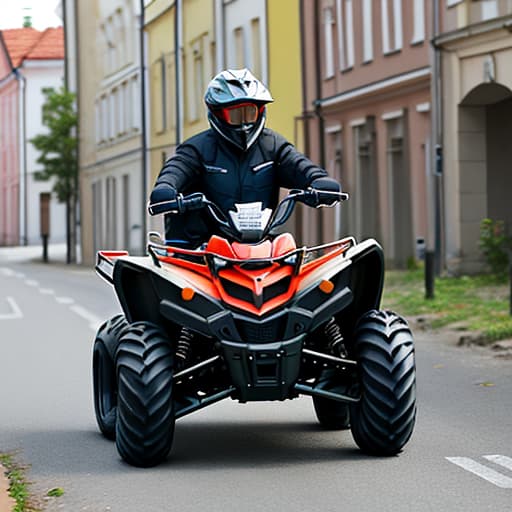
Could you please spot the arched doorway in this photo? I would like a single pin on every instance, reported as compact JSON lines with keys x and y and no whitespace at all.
{"x":485,"y":158}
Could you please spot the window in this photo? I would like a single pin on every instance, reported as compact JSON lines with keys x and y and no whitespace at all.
{"x":112,"y":114}
{"x":329,"y":44}
{"x":392,"y":36}
{"x":120,"y":110}
{"x":419,"y":22}
{"x":104,"y":118}
{"x":256,"y":46}
{"x":136,"y":109}
{"x":239,"y":47}
{"x":126,"y":211}
{"x":345,"y":25}
{"x":171,"y":92}
{"x":111,"y":211}
{"x":489,"y":9}
{"x":160,"y":97}
{"x":97,"y":121}
{"x":199,"y":86}
{"x":97,"y":216}
{"x":367,"y":31}
{"x":195,"y":79}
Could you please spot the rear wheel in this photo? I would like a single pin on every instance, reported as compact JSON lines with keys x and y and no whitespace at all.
{"x":145,"y":410}
{"x":331,"y":414}
{"x":383,"y":420}
{"x":104,"y":374}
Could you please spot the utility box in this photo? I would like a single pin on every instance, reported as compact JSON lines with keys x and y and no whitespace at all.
{"x":44,"y":213}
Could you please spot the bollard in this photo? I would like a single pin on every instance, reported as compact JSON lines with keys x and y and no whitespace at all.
{"x":45,"y":248}
{"x":510,"y":281}
{"x":430,"y":258}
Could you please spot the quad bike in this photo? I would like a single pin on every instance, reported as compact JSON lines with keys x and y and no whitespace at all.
{"x":252,"y":317}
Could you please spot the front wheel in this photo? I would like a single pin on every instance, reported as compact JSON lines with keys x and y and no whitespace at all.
{"x":104,"y":374}
{"x":145,"y":408}
{"x":331,"y":414}
{"x":383,"y":420}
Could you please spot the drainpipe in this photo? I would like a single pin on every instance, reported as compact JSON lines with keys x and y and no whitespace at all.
{"x":318,"y":113}
{"x":219,"y":35}
{"x":437,"y":161}
{"x":433,"y":249}
{"x":178,"y":43}
{"x":144,"y":144}
{"x":23,"y":197}
{"x":305,"y":116}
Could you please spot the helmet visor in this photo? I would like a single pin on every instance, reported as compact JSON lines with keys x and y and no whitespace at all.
{"x":243,"y":113}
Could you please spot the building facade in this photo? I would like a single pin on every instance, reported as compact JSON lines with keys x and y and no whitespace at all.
{"x":9,"y":150}
{"x":111,"y":102}
{"x":475,"y":45}
{"x":37,"y":64}
{"x":367,"y":114}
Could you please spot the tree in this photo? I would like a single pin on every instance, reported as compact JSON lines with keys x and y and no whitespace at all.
{"x":58,"y":148}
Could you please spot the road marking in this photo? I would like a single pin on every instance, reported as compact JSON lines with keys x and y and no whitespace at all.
{"x":482,"y":471}
{"x":46,"y":291}
{"x":19,"y":274}
{"x":64,"y":300}
{"x":94,"y":321}
{"x":16,"y":311}
{"x":7,"y":271}
{"x":506,"y":462}
{"x":31,"y":282}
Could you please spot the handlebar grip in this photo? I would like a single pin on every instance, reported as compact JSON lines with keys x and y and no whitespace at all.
{"x":179,"y":205}
{"x":164,"y":207}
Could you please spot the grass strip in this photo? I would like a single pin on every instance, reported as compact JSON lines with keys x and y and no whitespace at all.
{"x":473,"y":303}
{"x":18,"y":488}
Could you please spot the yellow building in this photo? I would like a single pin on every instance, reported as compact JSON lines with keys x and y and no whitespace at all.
{"x":176,"y":86}
{"x":161,"y":89}
{"x":198,"y":49}
{"x":284,"y":63}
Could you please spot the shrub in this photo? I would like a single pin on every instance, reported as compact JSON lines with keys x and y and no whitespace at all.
{"x":495,"y":245}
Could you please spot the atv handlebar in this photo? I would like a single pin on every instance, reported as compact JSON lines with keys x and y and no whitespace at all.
{"x":197,"y":201}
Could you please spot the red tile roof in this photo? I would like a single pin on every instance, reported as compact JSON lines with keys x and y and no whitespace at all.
{"x":29,"y":43}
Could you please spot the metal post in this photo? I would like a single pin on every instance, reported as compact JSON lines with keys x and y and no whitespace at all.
{"x":510,"y":280}
{"x":45,"y":248}
{"x":430,"y":258}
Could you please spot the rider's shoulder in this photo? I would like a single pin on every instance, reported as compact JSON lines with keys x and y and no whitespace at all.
{"x":199,"y":139}
{"x":272,"y":138}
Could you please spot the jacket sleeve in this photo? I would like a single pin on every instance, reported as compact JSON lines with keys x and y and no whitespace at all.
{"x":182,"y":170}
{"x":295,"y":170}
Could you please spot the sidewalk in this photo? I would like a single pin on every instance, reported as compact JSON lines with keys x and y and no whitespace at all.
{"x":56,"y":253}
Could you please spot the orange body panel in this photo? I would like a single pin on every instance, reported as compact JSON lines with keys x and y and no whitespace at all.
{"x":258,"y":289}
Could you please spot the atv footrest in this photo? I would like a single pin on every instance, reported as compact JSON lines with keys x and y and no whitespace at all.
{"x":264,"y":371}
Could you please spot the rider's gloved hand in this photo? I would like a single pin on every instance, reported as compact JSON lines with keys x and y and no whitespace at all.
{"x":325,"y":184}
{"x":161,"y":193}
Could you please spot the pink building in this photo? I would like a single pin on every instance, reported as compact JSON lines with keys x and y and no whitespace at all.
{"x":30,"y":61}
{"x":9,"y":149}
{"x":367,"y":117}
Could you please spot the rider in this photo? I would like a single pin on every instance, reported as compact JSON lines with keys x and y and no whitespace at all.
{"x":237,"y":160}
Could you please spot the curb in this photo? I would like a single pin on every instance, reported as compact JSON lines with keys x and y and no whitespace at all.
{"x":7,"y":503}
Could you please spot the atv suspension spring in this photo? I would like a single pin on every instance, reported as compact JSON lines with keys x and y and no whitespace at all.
{"x":184,"y":345}
{"x":335,"y":338}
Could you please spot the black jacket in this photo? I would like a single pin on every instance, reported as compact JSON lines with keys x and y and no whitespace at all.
{"x":226,"y":175}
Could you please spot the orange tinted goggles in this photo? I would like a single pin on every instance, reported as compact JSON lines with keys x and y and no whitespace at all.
{"x":244,"y":113}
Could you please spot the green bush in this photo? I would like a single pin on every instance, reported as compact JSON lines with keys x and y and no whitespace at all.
{"x":495,"y":245}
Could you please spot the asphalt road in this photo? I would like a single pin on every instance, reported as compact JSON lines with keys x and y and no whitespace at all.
{"x":233,"y":457}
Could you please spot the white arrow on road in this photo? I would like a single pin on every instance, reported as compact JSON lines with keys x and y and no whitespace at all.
{"x":15,"y":311}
